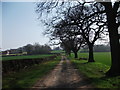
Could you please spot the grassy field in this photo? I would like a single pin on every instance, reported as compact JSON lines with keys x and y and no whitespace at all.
{"x":27,"y":78}
{"x":102,"y":57}
{"x":57,"y":51}
{"x":95,"y":72}
{"x":26,"y":57}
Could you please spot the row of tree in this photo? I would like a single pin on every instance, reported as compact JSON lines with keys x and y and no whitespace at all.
{"x":37,"y":49}
{"x":83,"y":23}
{"x":80,"y":27}
{"x":30,"y":49}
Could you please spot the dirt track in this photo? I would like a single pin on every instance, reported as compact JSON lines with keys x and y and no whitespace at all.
{"x":63,"y":76}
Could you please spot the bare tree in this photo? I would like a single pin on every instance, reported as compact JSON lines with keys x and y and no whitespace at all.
{"x":113,"y":24}
{"x":91,"y":28}
{"x":70,"y":41}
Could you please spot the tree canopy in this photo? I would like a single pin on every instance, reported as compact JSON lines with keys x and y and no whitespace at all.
{"x":91,"y":18}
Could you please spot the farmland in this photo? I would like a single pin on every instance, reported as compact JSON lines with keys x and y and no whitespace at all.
{"x":57,"y":51}
{"x":95,"y":72}
{"x":26,"y":57}
{"x":76,"y":44}
{"x":102,"y":57}
{"x":27,"y":77}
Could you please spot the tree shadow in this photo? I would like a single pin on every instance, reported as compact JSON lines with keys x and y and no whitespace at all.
{"x":82,"y":84}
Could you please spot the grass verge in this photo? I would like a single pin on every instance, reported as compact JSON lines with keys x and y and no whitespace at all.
{"x":95,"y":72}
{"x":28,"y":77}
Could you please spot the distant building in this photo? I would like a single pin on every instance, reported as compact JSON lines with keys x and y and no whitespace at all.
{"x":13,"y":52}
{"x":8,"y":53}
{"x":24,"y":53}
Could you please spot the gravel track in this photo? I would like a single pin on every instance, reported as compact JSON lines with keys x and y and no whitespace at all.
{"x":64,"y":75}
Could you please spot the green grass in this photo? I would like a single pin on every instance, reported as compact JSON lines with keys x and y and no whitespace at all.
{"x":95,"y":72}
{"x":26,"y":57}
{"x":57,"y":51}
{"x":28,"y":77}
{"x":102,"y":57}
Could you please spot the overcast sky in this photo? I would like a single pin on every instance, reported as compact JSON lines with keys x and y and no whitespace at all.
{"x":20,"y":25}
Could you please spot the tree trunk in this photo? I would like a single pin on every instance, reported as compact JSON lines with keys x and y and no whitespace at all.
{"x":91,"y":56}
{"x":114,"y":42}
{"x":69,"y":54}
{"x":76,"y":55}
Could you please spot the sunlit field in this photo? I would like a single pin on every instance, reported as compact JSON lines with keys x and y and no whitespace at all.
{"x":102,"y":57}
{"x":96,"y":71}
{"x":26,"y":57}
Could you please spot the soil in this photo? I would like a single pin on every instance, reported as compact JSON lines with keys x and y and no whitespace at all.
{"x":64,"y":75}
